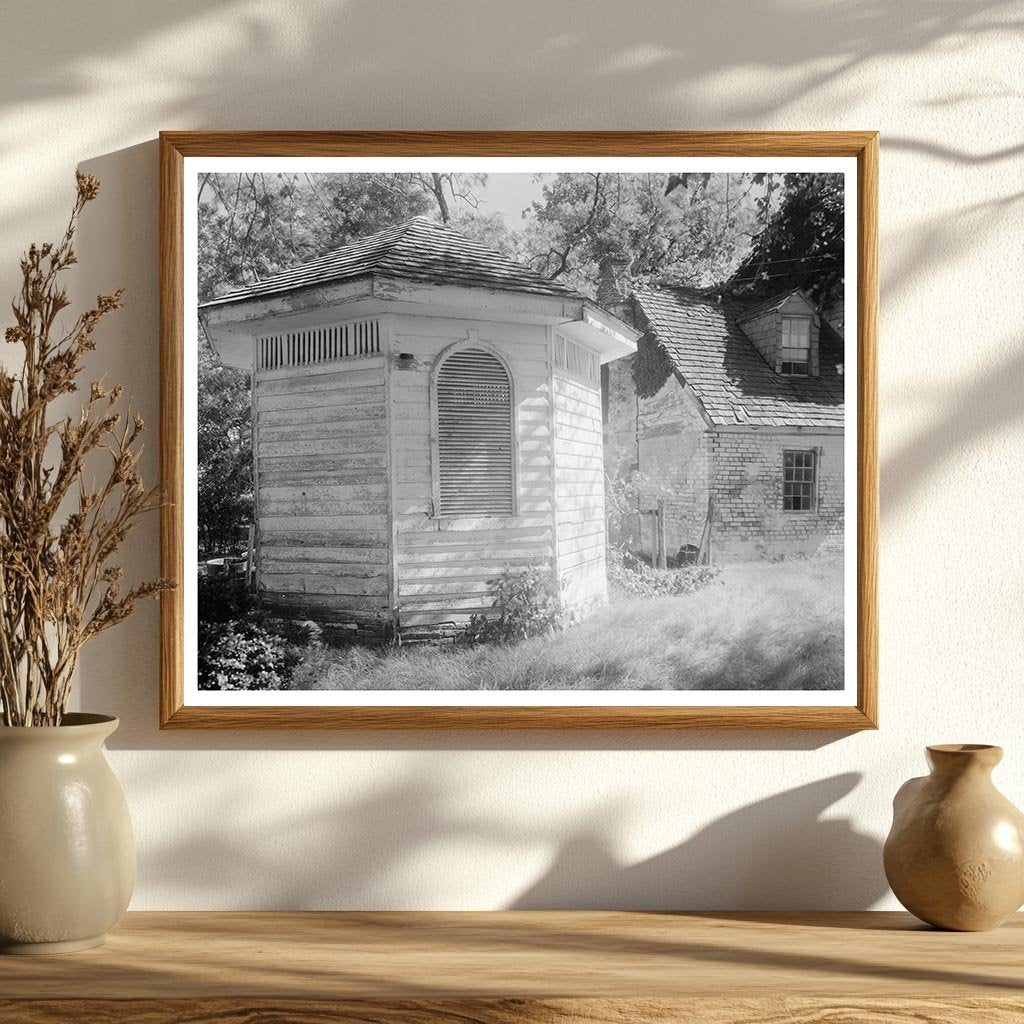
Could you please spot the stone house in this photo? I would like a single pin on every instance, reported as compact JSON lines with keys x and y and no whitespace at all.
{"x":735,"y":432}
{"x":426,"y":414}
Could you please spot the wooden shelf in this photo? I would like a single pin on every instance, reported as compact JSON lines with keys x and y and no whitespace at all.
{"x":501,"y":968}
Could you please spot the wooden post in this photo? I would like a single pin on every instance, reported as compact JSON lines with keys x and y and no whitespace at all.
{"x":249,"y":560}
{"x":704,"y":550}
{"x":711,"y":524}
{"x":659,"y":525}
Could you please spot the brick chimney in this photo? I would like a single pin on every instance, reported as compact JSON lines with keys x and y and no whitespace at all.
{"x":613,"y":286}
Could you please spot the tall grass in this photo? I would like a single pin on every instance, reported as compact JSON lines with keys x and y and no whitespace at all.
{"x":762,"y":626}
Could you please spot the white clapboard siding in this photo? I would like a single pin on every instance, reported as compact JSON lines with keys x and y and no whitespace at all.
{"x":445,"y":565}
{"x":579,"y":481}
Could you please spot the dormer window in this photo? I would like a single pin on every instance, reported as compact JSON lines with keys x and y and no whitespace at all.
{"x":796,"y":346}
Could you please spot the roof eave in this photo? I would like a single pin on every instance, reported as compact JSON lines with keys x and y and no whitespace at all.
{"x":232,"y":326}
{"x":776,"y":428}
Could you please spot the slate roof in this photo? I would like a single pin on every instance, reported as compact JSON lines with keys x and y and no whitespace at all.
{"x":728,"y":375}
{"x":418,"y":250}
{"x":756,"y":309}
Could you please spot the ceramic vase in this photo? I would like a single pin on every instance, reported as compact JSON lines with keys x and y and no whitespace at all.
{"x":955,"y":854}
{"x":67,"y":859}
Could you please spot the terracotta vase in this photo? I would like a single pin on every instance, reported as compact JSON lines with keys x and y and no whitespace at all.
{"x":67,"y":859}
{"x":955,"y":854}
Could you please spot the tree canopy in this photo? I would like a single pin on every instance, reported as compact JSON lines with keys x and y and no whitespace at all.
{"x":801,"y":242}
{"x":687,"y":229}
{"x":256,"y":224}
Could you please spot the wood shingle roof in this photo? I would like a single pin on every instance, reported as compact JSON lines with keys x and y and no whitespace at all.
{"x":419,"y":250}
{"x":728,"y":375}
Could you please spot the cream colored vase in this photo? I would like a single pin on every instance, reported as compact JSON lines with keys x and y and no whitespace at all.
{"x":955,"y":855}
{"x":67,"y":859}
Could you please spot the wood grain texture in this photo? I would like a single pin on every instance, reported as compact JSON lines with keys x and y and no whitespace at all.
{"x":175,"y":146}
{"x":172,"y":295}
{"x":528,"y":955}
{"x":867,"y":422}
{"x":527,"y":143}
{"x":496,"y":968}
{"x":516,"y":1011}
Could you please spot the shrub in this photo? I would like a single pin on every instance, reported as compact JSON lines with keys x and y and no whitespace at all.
{"x":243,"y":648}
{"x":244,"y":655}
{"x":632,"y":577}
{"x":528,"y":605}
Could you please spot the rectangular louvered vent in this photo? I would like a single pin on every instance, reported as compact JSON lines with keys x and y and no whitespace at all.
{"x":318,"y":345}
{"x":576,"y":359}
{"x":475,"y":469}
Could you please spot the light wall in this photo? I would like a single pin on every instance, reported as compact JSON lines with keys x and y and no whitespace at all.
{"x":336,"y":820}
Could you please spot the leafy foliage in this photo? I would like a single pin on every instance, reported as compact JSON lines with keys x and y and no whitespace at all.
{"x":242,"y":648}
{"x":628,"y":576}
{"x":243,"y":655}
{"x":528,"y":605}
{"x":224,"y":451}
{"x":801,"y":242}
{"x":652,"y":367}
{"x":692,"y":234}
{"x":254,"y":225}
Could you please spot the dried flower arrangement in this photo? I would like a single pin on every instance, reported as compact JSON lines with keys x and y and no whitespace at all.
{"x":58,"y":586}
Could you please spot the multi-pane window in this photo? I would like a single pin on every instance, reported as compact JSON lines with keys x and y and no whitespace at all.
{"x":796,"y":346}
{"x":799,"y":480}
{"x":475,"y":471}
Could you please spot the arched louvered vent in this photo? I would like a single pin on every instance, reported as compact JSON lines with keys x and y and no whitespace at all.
{"x":476,"y":473}
{"x":318,"y":345}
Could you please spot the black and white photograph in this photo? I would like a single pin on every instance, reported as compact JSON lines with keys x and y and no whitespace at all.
{"x":521,"y":430}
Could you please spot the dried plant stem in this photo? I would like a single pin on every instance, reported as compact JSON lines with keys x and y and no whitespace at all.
{"x":58,"y":586}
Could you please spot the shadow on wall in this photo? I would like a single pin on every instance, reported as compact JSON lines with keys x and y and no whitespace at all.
{"x":245,"y":57}
{"x":983,"y":406}
{"x":800,"y":860}
{"x":394,"y":847}
{"x":120,"y":67}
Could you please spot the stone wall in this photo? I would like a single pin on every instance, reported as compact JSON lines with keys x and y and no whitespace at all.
{"x":749,"y":520}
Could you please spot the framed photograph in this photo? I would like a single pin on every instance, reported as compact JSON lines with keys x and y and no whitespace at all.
{"x":519,"y":430}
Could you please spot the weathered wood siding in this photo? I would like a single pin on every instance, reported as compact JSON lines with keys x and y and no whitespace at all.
{"x":445,"y":566}
{"x":579,"y":490}
{"x":322,"y":491}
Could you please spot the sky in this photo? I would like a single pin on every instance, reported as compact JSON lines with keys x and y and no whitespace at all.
{"x":509,"y":195}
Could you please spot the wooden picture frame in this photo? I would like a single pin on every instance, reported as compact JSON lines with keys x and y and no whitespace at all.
{"x":176,"y":147}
